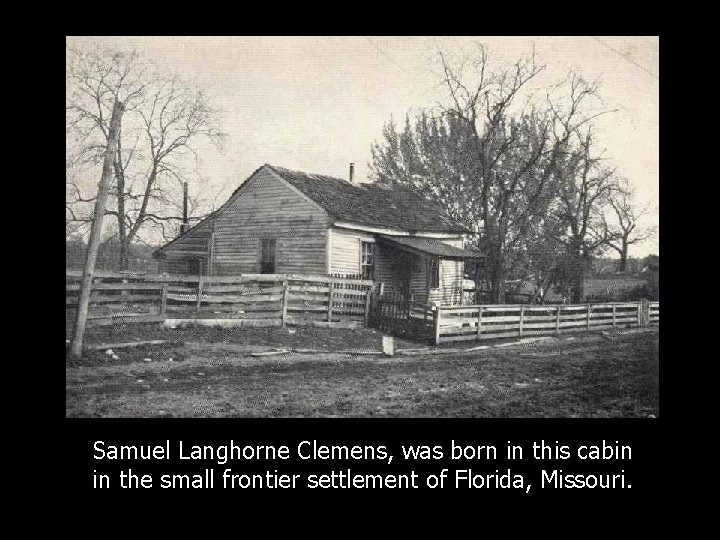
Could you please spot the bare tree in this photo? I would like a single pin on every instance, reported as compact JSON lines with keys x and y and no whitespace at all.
{"x":491,"y":161}
{"x":165,"y":119}
{"x":627,"y":217}
{"x":585,"y":190}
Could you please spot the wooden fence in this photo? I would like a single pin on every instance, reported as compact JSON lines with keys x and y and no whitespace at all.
{"x":464,"y":323}
{"x":402,"y":317}
{"x":250,"y":300}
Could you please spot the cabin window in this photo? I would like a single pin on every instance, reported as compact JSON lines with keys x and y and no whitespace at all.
{"x":434,"y":272}
{"x":367,"y":260}
{"x":267,"y":256}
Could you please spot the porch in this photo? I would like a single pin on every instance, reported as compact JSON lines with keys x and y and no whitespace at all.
{"x":425,"y":271}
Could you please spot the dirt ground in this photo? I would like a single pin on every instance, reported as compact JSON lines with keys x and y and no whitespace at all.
{"x":211,"y":372}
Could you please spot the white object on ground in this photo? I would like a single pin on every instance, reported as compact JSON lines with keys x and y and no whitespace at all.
{"x":388,"y":345}
{"x":534,"y":339}
{"x":271,"y":353}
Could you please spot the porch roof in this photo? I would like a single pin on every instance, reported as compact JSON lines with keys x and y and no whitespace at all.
{"x":432,"y":246}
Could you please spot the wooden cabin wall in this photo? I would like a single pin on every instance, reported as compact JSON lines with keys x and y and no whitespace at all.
{"x":389,"y":263}
{"x":193,"y":245}
{"x":388,"y":267}
{"x":269,"y":208}
{"x":452,"y":274}
{"x":451,"y":283}
{"x":419,"y":279}
{"x":345,"y":250}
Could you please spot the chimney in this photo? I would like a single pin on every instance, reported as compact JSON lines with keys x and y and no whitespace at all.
{"x":352,"y":172}
{"x":184,"y":225}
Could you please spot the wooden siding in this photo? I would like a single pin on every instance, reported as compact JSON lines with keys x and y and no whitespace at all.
{"x":267,"y":207}
{"x":419,"y":279}
{"x":196,"y":244}
{"x":345,"y":250}
{"x":389,"y":263}
{"x":450,"y":291}
{"x":393,"y":266}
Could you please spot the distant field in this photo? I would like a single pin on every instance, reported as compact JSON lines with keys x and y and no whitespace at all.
{"x":615,"y":285}
{"x":213,"y":374}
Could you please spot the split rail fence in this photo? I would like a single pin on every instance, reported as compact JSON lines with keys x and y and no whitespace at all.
{"x":247,"y":300}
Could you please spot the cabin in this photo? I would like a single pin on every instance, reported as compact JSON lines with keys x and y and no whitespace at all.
{"x":281,"y":221}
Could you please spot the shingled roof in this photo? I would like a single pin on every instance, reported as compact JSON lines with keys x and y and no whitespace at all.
{"x":432,"y":246}
{"x":371,"y":204}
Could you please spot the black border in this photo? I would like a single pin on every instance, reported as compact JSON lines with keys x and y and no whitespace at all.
{"x":657,"y":445}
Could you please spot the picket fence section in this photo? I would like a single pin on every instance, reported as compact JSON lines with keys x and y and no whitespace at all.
{"x":247,"y":300}
{"x":402,"y":317}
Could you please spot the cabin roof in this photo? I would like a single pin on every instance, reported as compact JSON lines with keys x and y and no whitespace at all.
{"x":431,"y":246}
{"x":371,"y":204}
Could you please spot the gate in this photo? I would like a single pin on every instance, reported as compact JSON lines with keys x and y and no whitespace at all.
{"x":401,"y":317}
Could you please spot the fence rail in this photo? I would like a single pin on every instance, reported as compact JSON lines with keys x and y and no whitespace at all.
{"x":253,"y":299}
{"x":444,"y":324}
{"x":502,"y":321}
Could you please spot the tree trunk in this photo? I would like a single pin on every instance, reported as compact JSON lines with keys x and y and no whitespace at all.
{"x":122,"y":230}
{"x":624,"y":256}
{"x":578,"y":285}
{"x":124,"y":251}
{"x":498,"y":280}
{"x":577,"y":291}
{"x":96,"y":231}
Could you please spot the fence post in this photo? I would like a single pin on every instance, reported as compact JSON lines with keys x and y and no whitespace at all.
{"x":124,"y":292}
{"x":436,"y":322}
{"x":589,"y":309}
{"x":645,"y":311}
{"x":163,"y":299}
{"x":479,"y":324}
{"x":285,"y":298}
{"x":199,"y":293}
{"x":557,"y":320}
{"x":368,"y":296}
{"x":614,"y":315}
{"x":639,"y":313}
{"x":330,"y":302}
{"x":522,"y":312}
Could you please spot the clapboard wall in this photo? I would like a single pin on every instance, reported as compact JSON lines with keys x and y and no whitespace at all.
{"x":345,"y":250}
{"x":196,"y":244}
{"x":266,"y":207}
{"x":393,"y":266}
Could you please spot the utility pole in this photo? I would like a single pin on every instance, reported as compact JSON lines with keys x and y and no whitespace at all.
{"x":96,"y":230}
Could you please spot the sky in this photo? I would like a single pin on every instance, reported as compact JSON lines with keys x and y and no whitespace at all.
{"x":318,"y":103}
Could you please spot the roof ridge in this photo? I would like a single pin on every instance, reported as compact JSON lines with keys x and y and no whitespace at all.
{"x":279,"y":169}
